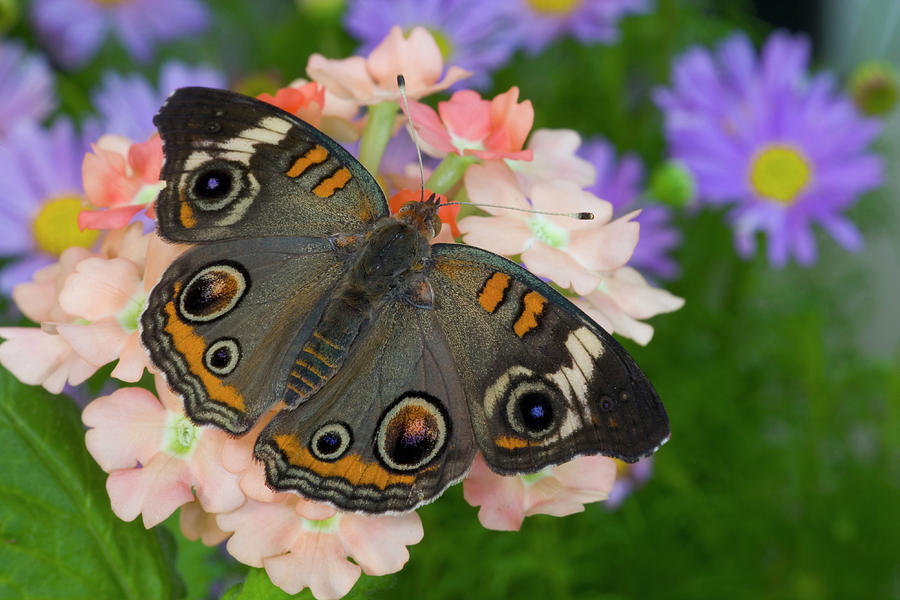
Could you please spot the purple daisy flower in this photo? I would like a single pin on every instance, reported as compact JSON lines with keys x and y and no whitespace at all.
{"x":619,"y":182}
{"x":126,"y":104}
{"x":40,"y":197}
{"x":73,"y":30}
{"x":471,"y":34}
{"x":26,"y":86}
{"x":539,"y":22}
{"x":630,"y":477}
{"x":785,"y":149}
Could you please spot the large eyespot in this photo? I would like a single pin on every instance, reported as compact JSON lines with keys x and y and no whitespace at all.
{"x":412,"y":432}
{"x":215,"y":184}
{"x":213,"y":291}
{"x":330,"y":441}
{"x":222,"y":356}
{"x":532,"y":407}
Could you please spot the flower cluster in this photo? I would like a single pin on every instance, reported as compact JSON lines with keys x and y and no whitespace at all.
{"x":88,"y":293}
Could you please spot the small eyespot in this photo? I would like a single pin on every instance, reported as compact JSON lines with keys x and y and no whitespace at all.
{"x":213,"y":291}
{"x":222,"y":356}
{"x":607,"y":404}
{"x":412,"y":432}
{"x":213,"y":184}
{"x":213,"y":127}
{"x":331,"y":441}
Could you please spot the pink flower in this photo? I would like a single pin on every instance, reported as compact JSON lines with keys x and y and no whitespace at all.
{"x":306,"y":544}
{"x":156,"y":458}
{"x":554,"y":158}
{"x":569,"y":251}
{"x":623,"y":297}
{"x":197,"y":524}
{"x":107,"y":297}
{"x":122,"y":179}
{"x":505,"y":501}
{"x":470,"y":125}
{"x":374,"y":79}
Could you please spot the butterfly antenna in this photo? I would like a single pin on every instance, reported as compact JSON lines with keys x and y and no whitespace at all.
{"x":581,"y":216}
{"x":401,"y":83}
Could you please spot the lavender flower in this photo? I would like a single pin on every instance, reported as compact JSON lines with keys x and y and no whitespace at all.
{"x":539,"y":22}
{"x":784,"y":149}
{"x":619,"y":182}
{"x":26,"y":86}
{"x":40,"y":197}
{"x":73,"y":30}
{"x":127,"y":103}
{"x":471,"y":34}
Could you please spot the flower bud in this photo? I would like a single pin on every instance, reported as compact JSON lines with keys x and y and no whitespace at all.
{"x":874,"y":87}
{"x":671,"y":183}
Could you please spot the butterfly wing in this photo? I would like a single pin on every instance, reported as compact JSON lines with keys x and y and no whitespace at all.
{"x":389,"y":432}
{"x":237,"y":167}
{"x":543,"y":382}
{"x":230,"y":365}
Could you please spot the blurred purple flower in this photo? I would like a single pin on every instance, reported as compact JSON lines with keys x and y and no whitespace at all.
{"x":40,"y":196}
{"x":539,"y":22}
{"x":619,"y":183}
{"x":785,"y":149}
{"x":471,"y":34}
{"x":629,"y":477}
{"x":73,"y":30}
{"x":126,"y":104}
{"x":26,"y":86}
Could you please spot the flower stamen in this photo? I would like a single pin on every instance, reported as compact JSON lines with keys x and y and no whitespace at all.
{"x":780,"y":172}
{"x":56,"y":226}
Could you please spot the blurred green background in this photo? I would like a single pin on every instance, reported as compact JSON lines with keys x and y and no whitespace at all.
{"x":782,"y":477}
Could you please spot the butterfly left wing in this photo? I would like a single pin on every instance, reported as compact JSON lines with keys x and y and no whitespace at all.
{"x":388,"y":433}
{"x":543,"y":382}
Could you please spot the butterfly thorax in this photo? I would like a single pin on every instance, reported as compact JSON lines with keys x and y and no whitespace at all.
{"x":388,"y":265}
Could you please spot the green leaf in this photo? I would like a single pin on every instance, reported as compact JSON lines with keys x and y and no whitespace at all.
{"x":257,"y":586}
{"x":58,"y":537}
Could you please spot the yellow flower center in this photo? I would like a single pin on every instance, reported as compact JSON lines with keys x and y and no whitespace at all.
{"x":555,"y":7}
{"x":109,"y":2}
{"x":56,"y":226}
{"x":780,"y":172}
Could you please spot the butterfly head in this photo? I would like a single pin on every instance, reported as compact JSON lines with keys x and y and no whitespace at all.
{"x":422,"y":216}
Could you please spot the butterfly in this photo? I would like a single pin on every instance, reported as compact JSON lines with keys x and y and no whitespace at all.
{"x":390,"y":361}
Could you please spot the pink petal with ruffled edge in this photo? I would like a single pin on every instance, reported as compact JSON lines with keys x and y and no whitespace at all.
{"x":497,"y":234}
{"x":466,"y":115}
{"x":38,"y":299}
{"x":110,"y":218}
{"x":261,"y":529}
{"x":133,"y":360}
{"x":561,"y":267}
{"x":105,"y":178}
{"x":160,"y":255}
{"x":98,"y":343}
{"x":129,"y":243}
{"x":146,"y":159}
{"x":638,"y":298}
{"x":571,"y":485}
{"x":217,"y":490}
{"x":154,"y":491}
{"x":126,"y":428}
{"x":433,"y":136}
{"x":197,"y":524}
{"x":494,"y":183}
{"x":39,"y":358}
{"x":347,"y":78}
{"x":316,"y":561}
{"x":603,"y":309}
{"x":554,"y":158}
{"x":378,"y":543}
{"x":100,"y":288}
{"x":511,"y":122}
{"x":500,"y":498}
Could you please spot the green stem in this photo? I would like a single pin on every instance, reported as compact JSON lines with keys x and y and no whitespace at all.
{"x":379,"y":127}
{"x":449,"y":172}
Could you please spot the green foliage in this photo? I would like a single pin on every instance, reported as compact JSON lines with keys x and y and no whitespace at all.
{"x":58,"y":537}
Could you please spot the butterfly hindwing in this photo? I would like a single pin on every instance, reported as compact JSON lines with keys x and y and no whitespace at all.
{"x":543,"y":382}
{"x":237,"y":167}
{"x":389,"y":432}
{"x":225,"y":316}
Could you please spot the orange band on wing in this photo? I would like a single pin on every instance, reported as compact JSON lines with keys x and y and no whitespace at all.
{"x":532,"y":307}
{"x":351,"y":467}
{"x":493,"y":292}
{"x":186,"y":216}
{"x":192,"y":346}
{"x":315,"y":156}
{"x":328,"y":187}
{"x":510,"y":443}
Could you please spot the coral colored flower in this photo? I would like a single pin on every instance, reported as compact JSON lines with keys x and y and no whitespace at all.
{"x":541,"y":21}
{"x":106,"y":297}
{"x":305,"y":100}
{"x":629,"y":477}
{"x":470,"y":125}
{"x":374,"y":79}
{"x":470,"y":33}
{"x":126,"y":104}
{"x":569,"y":251}
{"x":40,"y":197}
{"x":73,"y":30}
{"x":305,"y":544}
{"x":446,"y":213}
{"x":505,"y":501}
{"x":786,"y":150}
{"x":156,"y":458}
{"x":26,"y":86}
{"x":121,"y":178}
{"x":622,"y":298}
{"x":619,"y":182}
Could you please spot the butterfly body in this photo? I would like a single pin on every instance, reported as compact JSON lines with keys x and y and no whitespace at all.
{"x":393,"y":361}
